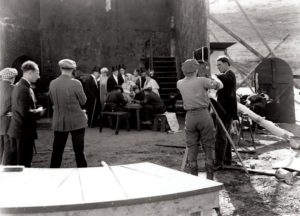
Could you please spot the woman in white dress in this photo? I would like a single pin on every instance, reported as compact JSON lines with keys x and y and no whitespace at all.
{"x":103,"y":85}
{"x":151,"y":83}
{"x":128,"y":87}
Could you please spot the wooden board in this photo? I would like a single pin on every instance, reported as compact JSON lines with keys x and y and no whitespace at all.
{"x":57,"y":191}
{"x":292,"y":163}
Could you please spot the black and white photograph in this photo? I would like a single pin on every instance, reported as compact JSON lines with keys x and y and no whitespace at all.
{"x":149,"y":107}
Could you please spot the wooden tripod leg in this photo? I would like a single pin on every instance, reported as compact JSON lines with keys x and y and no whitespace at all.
{"x":184,"y":159}
{"x":229,"y":138}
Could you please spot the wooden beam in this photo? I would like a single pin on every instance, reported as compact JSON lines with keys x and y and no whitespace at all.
{"x":222,"y":26}
{"x":254,"y":28}
{"x":253,"y":70}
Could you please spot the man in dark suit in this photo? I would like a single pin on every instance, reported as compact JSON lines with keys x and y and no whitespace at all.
{"x":121,"y":76}
{"x":22,"y":129}
{"x":113,"y":79}
{"x":67,"y":96}
{"x":8,"y":152}
{"x":227,"y":98}
{"x":91,"y":89}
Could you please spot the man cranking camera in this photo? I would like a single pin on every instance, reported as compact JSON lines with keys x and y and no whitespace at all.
{"x":199,"y":125}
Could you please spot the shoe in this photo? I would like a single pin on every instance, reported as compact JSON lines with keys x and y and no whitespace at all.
{"x":217,"y":167}
{"x":146,"y":123}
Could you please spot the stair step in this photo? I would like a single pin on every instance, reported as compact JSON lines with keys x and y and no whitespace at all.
{"x":164,"y":67}
{"x":167,"y":77}
{"x":166,"y":71}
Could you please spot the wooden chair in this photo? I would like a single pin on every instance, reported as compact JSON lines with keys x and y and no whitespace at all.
{"x":160,"y":122}
{"x":110,"y":113}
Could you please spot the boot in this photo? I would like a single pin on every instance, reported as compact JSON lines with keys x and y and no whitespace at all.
{"x":209,"y":172}
{"x":191,"y":167}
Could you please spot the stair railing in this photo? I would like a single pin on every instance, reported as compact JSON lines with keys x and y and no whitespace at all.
{"x":149,"y":46}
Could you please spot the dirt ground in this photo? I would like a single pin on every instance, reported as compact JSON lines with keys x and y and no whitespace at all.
{"x":242,"y":195}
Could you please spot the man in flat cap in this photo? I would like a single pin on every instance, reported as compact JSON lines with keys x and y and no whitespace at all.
{"x":199,"y":125}
{"x":22,"y":128}
{"x":7,"y":151}
{"x":68,"y":97}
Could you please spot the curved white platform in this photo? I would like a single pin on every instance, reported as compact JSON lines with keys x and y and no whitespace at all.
{"x":134,"y":189}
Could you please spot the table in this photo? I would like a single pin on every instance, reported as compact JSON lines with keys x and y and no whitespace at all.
{"x":137,"y":108}
{"x":122,"y":190}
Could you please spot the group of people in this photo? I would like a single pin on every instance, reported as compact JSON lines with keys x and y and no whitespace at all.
{"x":76,"y":105}
{"x":199,"y":124}
{"x":19,"y":112}
{"x":114,"y":91}
{"x":69,"y":96}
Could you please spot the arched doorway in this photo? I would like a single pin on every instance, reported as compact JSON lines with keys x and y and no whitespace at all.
{"x":275,"y":78}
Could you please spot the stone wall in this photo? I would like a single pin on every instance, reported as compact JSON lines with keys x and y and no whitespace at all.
{"x":19,"y":31}
{"x":85,"y":32}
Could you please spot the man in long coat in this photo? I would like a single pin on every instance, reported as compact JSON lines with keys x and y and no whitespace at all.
{"x":112,"y":80}
{"x":7,"y":151}
{"x":227,"y":98}
{"x":68,"y":97}
{"x":22,"y":129}
{"x":91,"y":89}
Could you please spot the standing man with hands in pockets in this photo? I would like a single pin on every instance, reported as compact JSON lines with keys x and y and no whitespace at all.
{"x":199,"y":126}
{"x":68,"y":97}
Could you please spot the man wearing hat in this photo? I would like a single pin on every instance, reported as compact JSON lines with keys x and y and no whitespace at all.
{"x":7,"y":151}
{"x":91,"y":90}
{"x":22,"y":129}
{"x":113,"y":79}
{"x":68,"y":97}
{"x":199,"y":125}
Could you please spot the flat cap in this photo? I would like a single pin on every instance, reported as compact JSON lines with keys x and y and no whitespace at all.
{"x":190,"y":66}
{"x":67,"y":64}
{"x":8,"y":73}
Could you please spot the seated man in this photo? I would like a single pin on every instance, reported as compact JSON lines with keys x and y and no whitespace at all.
{"x":138,"y":94}
{"x":115,"y":100}
{"x":152,"y":104}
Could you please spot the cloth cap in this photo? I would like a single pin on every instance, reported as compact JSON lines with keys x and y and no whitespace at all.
{"x":8,"y":73}
{"x":190,"y":66}
{"x":67,"y":64}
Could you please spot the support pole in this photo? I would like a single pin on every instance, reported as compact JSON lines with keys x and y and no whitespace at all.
{"x":229,"y":139}
{"x":253,"y":70}
{"x":222,"y":26}
{"x":254,"y":28}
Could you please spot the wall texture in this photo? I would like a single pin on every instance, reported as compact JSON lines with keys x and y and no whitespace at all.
{"x":85,"y":32}
{"x":190,"y":27}
{"x":19,"y":30}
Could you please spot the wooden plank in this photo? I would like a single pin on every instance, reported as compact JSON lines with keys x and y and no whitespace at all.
{"x":292,"y":163}
{"x":253,"y":70}
{"x":255,"y":171}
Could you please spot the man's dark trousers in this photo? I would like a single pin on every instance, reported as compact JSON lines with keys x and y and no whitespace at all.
{"x":59,"y":143}
{"x":222,"y":146}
